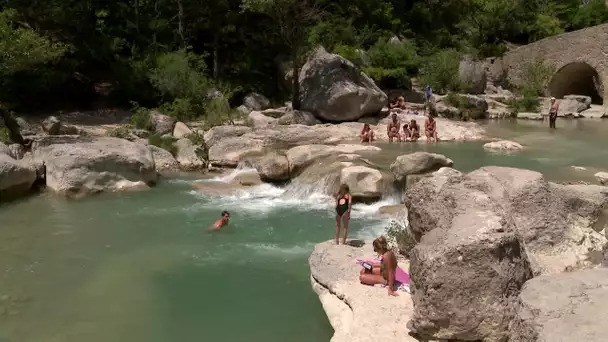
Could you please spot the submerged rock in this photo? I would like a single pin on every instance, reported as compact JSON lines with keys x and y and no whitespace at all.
{"x":81,"y":165}
{"x":602,"y":177}
{"x":505,"y":145}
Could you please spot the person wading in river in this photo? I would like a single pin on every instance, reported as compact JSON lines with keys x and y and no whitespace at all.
{"x":553,"y":112}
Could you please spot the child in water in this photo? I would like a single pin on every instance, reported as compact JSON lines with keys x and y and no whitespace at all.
{"x":221,"y":222}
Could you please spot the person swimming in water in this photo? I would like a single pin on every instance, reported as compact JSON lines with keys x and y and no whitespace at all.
{"x":382,"y":272}
{"x":221,"y":222}
{"x":344,"y":202}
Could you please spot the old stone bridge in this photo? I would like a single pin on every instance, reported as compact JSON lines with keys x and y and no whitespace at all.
{"x":580,"y":59}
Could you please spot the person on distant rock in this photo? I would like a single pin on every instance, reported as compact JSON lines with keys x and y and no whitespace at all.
{"x":392,"y":129}
{"x":406,"y":132}
{"x":430,"y":128}
{"x":384,"y":271}
{"x":399,"y":105}
{"x":221,"y":222}
{"x":428,"y":95}
{"x":366,"y":134}
{"x":553,"y":112}
{"x":414,"y":130}
{"x":344,"y":202}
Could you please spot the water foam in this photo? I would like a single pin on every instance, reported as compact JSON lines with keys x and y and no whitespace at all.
{"x":266,"y":198}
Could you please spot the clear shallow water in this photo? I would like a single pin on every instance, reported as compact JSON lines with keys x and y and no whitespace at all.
{"x":140,"y":267}
{"x":552,"y":152}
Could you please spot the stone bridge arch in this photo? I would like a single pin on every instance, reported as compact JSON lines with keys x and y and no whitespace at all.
{"x":580,"y":59}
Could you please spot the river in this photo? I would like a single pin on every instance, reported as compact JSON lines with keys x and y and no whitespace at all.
{"x":140,"y":266}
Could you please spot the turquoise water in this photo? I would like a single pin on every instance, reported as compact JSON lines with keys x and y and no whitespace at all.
{"x":141,"y":267}
{"x":582,"y":143}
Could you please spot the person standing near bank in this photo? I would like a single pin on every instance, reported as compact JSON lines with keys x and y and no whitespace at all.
{"x":553,"y":112}
{"x":429,"y":96}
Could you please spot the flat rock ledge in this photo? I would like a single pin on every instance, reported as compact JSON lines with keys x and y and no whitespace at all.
{"x":358,"y":313}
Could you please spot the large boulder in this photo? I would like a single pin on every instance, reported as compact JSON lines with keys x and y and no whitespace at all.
{"x":418,"y":163}
{"x":559,"y":224}
{"x":80,"y":165}
{"x":257,"y":119}
{"x":16,"y":177}
{"x":16,"y":151}
{"x":334,"y":89}
{"x":365,"y":183}
{"x":466,"y":279}
{"x":298,"y":117}
{"x":189,"y":156}
{"x":163,"y":159}
{"x":51,"y":125}
{"x":255,"y":101}
{"x":563,"y":307}
{"x":472,"y":75}
{"x":300,"y":157}
{"x":273,"y":167}
{"x":574,"y":104}
{"x":218,"y":133}
{"x":162,"y":124}
{"x":181,"y":130}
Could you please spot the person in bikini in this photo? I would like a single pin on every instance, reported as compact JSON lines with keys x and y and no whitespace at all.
{"x":344,"y":202}
{"x":430,"y":129}
{"x":392,"y":129}
{"x":414,"y":130}
{"x":366,"y":134}
{"x":406,"y":132}
{"x":221,"y":222}
{"x":382,"y":272}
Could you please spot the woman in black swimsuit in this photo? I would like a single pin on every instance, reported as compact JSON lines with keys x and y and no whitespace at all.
{"x":344,"y":202}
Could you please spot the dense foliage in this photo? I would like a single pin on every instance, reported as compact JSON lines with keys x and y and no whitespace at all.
{"x":172,"y":54}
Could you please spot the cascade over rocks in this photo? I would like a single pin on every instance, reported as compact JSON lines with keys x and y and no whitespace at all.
{"x":334,"y":89}
{"x":80,"y":165}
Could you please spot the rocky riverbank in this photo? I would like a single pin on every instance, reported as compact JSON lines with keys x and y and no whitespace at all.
{"x":357,"y":313}
{"x":500,"y":254}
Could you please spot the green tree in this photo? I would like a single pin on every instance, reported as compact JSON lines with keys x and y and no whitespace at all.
{"x":294,"y":20}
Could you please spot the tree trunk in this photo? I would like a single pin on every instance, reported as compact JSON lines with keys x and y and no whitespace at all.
{"x":295,"y":81}
{"x":215,"y":58}
{"x":180,"y":23}
{"x":14,"y":133}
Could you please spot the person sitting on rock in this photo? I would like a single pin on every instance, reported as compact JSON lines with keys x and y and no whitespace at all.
{"x":367,"y":134}
{"x":399,"y":105}
{"x":414,"y":130}
{"x":430,"y":129}
{"x":406,"y":132}
{"x":392,"y":129}
{"x":384,"y":271}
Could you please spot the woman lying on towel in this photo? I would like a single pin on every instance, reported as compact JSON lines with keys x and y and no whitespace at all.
{"x":383,"y":271}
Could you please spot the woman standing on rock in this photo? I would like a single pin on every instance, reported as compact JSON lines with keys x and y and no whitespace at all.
{"x":383,"y":272}
{"x":344,"y":202}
